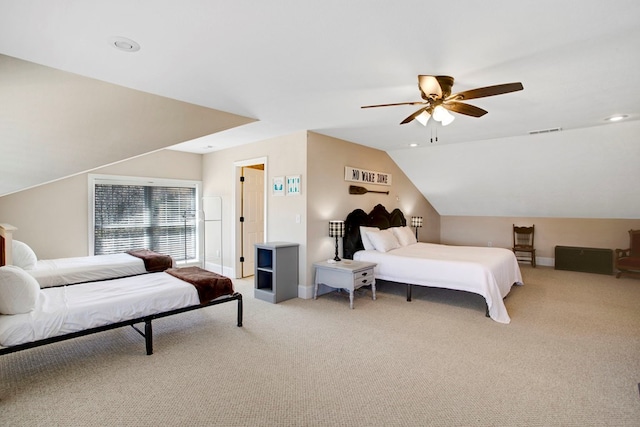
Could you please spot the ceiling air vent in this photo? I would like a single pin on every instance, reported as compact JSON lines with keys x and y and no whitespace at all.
{"x":536,"y":132}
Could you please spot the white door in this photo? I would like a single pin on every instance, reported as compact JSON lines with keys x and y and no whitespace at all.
{"x":253,"y":213}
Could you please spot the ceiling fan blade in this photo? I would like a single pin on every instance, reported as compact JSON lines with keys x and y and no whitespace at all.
{"x":462,"y":108}
{"x":392,"y":105}
{"x":487,"y":91}
{"x":413,"y":116}
{"x":429,"y":87}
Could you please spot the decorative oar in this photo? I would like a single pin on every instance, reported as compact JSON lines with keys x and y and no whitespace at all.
{"x":354,"y":189}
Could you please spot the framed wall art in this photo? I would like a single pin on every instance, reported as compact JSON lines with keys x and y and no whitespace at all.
{"x":293,"y":185}
{"x":277,"y":187}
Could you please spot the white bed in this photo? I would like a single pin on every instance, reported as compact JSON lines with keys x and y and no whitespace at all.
{"x":489,"y":272}
{"x":383,"y":238}
{"x":65,"y":271}
{"x":68,"y":271}
{"x":66,"y":309}
{"x":32,"y":316}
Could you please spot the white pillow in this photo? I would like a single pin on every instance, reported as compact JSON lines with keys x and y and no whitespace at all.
{"x":23,"y":256}
{"x":368,"y":246}
{"x":404,"y":235}
{"x":18,"y":290}
{"x":383,"y":240}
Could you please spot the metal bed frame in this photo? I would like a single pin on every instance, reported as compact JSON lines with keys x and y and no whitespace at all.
{"x":148,"y":331}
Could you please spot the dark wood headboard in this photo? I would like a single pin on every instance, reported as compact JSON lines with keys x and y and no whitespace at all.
{"x":378,"y":217}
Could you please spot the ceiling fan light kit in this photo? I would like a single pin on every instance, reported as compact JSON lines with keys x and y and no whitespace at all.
{"x":440,"y":114}
{"x":437,"y":100}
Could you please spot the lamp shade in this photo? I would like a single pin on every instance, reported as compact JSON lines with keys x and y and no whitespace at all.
{"x":423,"y":117}
{"x":336,"y":228}
{"x":440,"y":114}
{"x":447,"y":118}
{"x":416,"y":221}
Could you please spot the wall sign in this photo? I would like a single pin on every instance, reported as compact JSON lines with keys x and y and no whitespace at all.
{"x":363,"y":175}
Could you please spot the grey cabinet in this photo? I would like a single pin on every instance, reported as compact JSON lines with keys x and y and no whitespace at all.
{"x":276,"y":276}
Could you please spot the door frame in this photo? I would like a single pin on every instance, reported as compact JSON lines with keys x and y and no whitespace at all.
{"x":236,"y":208}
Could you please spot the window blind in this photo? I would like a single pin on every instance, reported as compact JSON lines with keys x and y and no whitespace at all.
{"x":159,"y":218}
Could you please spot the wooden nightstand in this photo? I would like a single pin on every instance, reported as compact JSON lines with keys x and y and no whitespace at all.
{"x":345,"y":274}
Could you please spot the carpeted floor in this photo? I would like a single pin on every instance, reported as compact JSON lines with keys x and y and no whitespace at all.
{"x":570,"y":357}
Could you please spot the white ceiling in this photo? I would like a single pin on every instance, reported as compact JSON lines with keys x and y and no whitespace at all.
{"x":310,"y":65}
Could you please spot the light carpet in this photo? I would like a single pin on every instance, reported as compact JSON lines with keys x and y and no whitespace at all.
{"x":569,"y":357}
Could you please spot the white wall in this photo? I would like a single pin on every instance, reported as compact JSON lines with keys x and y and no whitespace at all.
{"x":583,"y":173}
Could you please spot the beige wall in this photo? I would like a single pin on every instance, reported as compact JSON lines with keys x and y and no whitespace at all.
{"x":320,"y":160}
{"x":329,"y":196}
{"x":56,"y":124}
{"x":53,"y":218}
{"x":586,"y":232}
{"x":284,"y":155}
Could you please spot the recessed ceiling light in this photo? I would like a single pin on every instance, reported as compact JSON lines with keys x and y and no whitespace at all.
{"x":413,"y":144}
{"x":617,"y":118}
{"x":124,"y":44}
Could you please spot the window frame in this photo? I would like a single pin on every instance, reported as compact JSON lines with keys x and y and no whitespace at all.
{"x":94,"y":179}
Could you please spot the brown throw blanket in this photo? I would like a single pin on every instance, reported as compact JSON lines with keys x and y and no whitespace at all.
{"x":209,"y":285}
{"x":153,"y":261}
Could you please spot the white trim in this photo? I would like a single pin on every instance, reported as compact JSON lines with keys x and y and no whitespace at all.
{"x":547,"y":262}
{"x":235,"y":195}
{"x":305,"y":292}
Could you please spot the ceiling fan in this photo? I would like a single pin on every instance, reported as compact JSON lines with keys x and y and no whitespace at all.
{"x":438,"y":99}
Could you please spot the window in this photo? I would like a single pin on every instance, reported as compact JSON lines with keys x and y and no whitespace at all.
{"x":136,"y":213}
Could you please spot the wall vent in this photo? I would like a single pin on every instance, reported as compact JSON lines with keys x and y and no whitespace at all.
{"x":535,"y":132}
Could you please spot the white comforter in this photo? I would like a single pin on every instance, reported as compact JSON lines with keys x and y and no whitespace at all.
{"x":489,"y":272}
{"x":67,"y":309}
{"x":65,"y":271}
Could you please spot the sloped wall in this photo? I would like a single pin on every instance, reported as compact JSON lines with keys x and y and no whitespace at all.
{"x":56,"y":124}
{"x":53,"y":218}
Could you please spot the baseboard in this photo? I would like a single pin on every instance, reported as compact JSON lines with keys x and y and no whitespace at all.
{"x":217,"y":268}
{"x":305,"y":292}
{"x":545,"y":261}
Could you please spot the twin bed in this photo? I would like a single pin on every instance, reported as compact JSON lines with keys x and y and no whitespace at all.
{"x":383,"y":238}
{"x":39,"y":307}
{"x":71,"y":271}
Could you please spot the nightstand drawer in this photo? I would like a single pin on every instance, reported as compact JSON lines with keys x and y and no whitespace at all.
{"x":363,"y":278}
{"x":363,"y":274}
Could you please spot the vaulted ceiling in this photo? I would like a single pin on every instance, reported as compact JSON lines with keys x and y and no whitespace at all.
{"x":277,"y":67}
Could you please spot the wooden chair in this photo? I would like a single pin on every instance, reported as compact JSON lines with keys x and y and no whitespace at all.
{"x":523,"y":243}
{"x":627,"y":261}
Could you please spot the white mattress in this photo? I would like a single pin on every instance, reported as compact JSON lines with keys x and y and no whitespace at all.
{"x":74,"y":308}
{"x":489,"y":272}
{"x":66,"y":271}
